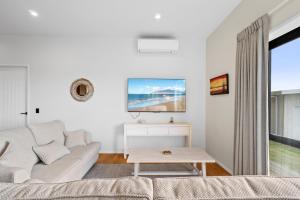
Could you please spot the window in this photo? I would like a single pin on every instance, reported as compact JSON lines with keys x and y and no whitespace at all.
{"x":284,"y":144}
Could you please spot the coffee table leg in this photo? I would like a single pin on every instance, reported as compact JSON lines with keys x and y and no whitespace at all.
{"x":136,"y":169}
{"x":203,"y":169}
{"x":195,"y":171}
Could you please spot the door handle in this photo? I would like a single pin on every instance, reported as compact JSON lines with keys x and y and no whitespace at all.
{"x":23,"y":113}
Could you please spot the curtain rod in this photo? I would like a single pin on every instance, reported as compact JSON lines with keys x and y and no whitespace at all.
{"x":279,"y":6}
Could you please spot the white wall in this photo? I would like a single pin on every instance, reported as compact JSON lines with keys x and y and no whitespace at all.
{"x":57,"y":61}
{"x":220,"y":58}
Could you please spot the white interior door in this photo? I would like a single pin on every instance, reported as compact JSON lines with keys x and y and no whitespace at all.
{"x":13,"y":97}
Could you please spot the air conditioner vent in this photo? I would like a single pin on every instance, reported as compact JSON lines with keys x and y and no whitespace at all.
{"x":158,"y":45}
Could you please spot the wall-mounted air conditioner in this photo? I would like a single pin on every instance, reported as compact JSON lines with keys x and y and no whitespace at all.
{"x":157,"y":45}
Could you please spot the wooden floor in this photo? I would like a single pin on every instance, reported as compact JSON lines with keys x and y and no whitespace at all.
{"x":213,"y":169}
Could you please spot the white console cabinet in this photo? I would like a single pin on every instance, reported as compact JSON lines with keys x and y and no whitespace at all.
{"x":156,"y":130}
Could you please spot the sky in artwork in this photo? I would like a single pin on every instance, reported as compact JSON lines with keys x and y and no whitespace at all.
{"x":148,"y":86}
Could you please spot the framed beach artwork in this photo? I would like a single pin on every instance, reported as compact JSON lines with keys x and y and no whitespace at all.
{"x":156,"y":95}
{"x":219,"y":85}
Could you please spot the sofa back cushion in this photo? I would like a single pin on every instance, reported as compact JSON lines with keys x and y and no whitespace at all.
{"x":18,"y":152}
{"x":76,"y":138}
{"x":123,"y":188}
{"x":233,"y":187}
{"x":47,"y":132}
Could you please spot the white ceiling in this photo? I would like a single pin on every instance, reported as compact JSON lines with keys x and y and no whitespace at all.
{"x":180,"y":18}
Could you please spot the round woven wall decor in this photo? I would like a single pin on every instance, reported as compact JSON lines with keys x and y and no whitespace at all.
{"x":82,"y":89}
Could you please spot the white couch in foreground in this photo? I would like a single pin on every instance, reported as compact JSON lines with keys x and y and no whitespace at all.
{"x":19,"y":162}
{"x":195,"y":188}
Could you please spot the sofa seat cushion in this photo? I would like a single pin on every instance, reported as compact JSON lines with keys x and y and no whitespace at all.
{"x":68,"y":167}
{"x":56,"y":171}
{"x":45,"y":133}
{"x":85,"y":153}
{"x":234,"y":187}
{"x":19,"y":151}
{"x":105,"y":189}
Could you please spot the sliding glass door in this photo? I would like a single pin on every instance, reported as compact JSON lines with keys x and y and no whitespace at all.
{"x":284,"y":138}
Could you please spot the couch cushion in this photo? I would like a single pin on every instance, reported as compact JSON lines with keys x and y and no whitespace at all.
{"x":47,"y":132}
{"x":75,"y":138}
{"x":226,"y":188}
{"x":85,"y":153}
{"x":122,"y":189}
{"x":48,"y":153}
{"x":56,"y":171}
{"x":19,"y":152}
{"x":64,"y":169}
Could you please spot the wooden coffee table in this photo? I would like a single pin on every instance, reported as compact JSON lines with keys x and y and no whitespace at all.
{"x":193,"y":156}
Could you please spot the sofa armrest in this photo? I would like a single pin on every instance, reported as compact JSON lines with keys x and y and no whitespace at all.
{"x":13,"y":174}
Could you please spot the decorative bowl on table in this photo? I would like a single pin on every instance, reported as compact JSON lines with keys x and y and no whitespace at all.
{"x":166,"y":152}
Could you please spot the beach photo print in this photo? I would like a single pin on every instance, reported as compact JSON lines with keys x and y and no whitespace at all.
{"x":156,"y":95}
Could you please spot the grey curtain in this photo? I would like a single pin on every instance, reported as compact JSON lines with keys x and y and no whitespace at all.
{"x":251,"y":100}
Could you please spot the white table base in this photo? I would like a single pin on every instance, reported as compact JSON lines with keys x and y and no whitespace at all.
{"x":194,"y":172}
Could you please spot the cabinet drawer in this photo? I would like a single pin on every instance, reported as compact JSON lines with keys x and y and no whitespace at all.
{"x":158,"y":131}
{"x":179,"y":131}
{"x":137,"y":131}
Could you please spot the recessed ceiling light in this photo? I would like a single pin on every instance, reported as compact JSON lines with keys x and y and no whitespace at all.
{"x":33,"y":13}
{"x":157,"y":16}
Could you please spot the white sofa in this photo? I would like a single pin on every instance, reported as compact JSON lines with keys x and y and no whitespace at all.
{"x":21,"y":164}
{"x":189,"y":188}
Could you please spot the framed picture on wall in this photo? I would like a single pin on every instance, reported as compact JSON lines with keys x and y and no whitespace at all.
{"x":219,"y":85}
